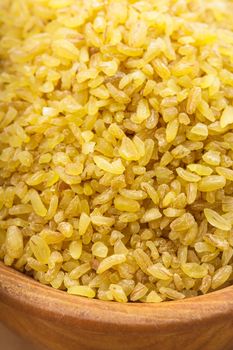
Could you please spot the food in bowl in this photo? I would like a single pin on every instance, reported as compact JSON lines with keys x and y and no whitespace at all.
{"x":116,"y":156}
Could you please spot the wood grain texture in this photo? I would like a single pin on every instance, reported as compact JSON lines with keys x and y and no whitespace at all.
{"x":10,"y":341}
{"x":60,"y":321}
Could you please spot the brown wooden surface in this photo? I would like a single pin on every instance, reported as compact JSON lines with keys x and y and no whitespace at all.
{"x":63,"y":322}
{"x":11,"y":341}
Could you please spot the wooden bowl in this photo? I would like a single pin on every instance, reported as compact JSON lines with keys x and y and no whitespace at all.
{"x":63,"y":322}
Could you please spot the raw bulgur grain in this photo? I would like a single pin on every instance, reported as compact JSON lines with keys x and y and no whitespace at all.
{"x":116,"y":158}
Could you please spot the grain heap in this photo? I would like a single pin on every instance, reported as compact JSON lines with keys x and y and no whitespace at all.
{"x":116,"y":145}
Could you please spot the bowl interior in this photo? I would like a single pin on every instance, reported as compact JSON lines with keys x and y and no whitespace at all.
{"x":23,"y":292}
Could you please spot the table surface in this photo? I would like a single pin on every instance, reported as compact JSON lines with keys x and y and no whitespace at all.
{"x":10,"y":341}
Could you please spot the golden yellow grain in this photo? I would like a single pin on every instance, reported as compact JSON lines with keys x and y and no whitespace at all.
{"x":116,"y":156}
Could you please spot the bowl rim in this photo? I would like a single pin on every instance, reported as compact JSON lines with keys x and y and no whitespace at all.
{"x":27,"y":295}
